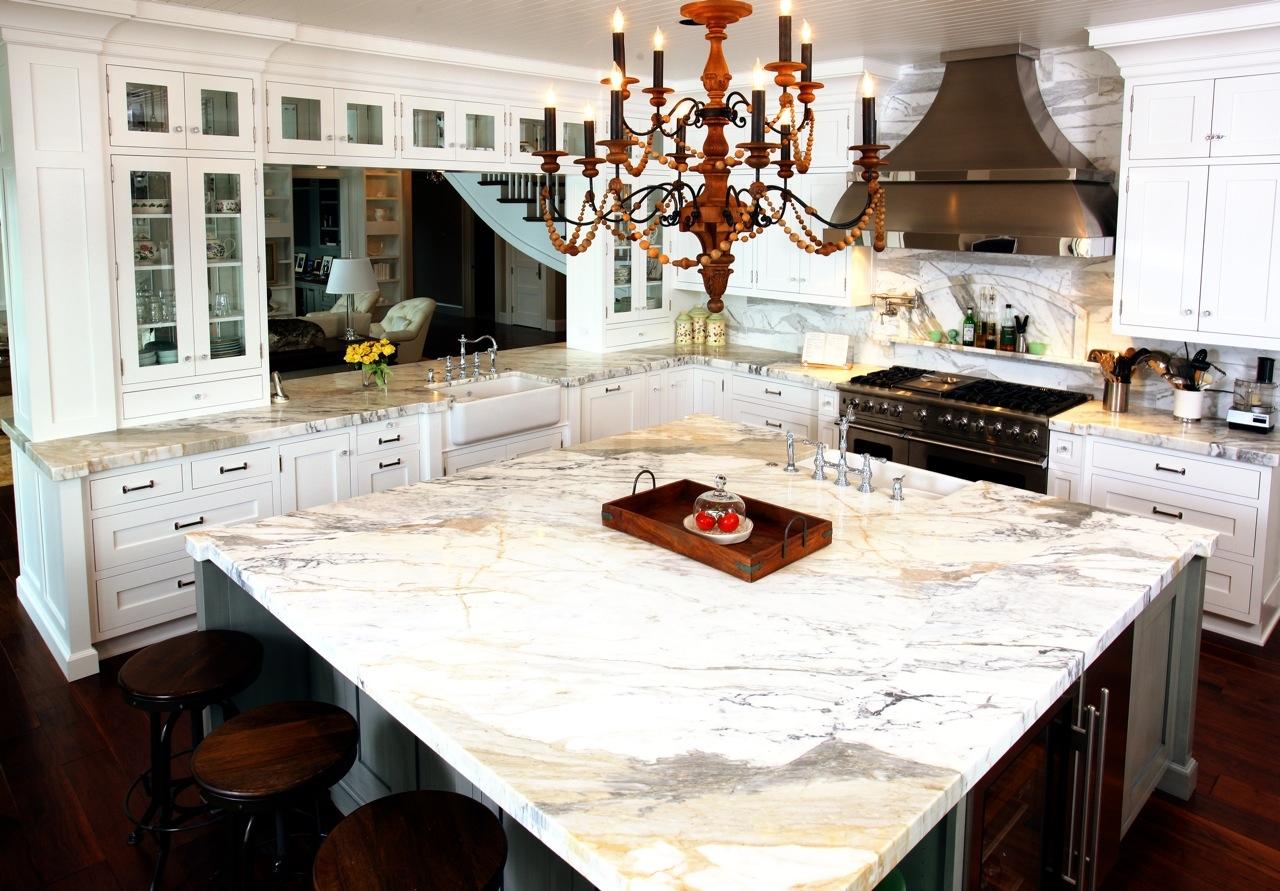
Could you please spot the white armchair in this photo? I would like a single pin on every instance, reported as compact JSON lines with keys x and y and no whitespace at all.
{"x":333,"y":321}
{"x":406,"y":326}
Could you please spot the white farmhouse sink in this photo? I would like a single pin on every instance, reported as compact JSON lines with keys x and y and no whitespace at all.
{"x":914,"y":479}
{"x":501,"y":406}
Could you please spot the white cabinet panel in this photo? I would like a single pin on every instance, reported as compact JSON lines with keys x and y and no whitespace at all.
{"x":777,"y":262}
{"x":1246,"y":116}
{"x":780,"y":419}
{"x":428,"y":128}
{"x":1064,"y":485}
{"x":135,"y":485}
{"x":365,"y":124}
{"x":300,"y":119}
{"x":1240,"y":290}
{"x":1171,"y":120}
{"x":613,"y":407}
{"x":1236,"y":524}
{"x":534,"y":444}
{"x":149,"y":596}
{"x":145,"y":107}
{"x":462,"y":459}
{"x":679,"y":397}
{"x":709,"y":392}
{"x":232,"y":468}
{"x":1170,"y":469}
{"x":315,"y":472}
{"x":480,"y":133}
{"x":378,"y":473}
{"x":220,"y":113}
{"x":1228,"y":588}
{"x":1161,"y":244}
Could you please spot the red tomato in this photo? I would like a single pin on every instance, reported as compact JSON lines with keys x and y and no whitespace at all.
{"x":705,"y":521}
{"x":729,"y":522}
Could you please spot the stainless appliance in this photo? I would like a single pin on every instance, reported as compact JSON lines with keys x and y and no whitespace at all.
{"x":1253,"y":403}
{"x":967,"y":427}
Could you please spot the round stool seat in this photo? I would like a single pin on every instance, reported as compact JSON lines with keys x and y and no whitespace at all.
{"x":269,"y":753}
{"x":428,"y":841}
{"x":194,"y":670}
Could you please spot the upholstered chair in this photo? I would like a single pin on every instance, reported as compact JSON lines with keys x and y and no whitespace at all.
{"x":334,"y":320}
{"x":406,"y":326}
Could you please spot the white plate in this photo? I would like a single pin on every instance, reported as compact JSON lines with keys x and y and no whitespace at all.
{"x":724,"y":538}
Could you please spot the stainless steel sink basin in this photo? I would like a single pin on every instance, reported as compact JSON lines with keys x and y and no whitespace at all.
{"x":499,"y":406}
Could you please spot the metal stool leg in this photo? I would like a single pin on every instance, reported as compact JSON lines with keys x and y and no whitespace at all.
{"x":282,"y":844}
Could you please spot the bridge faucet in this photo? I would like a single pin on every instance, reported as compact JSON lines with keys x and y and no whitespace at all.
{"x":866,"y":472}
{"x":791,"y":454}
{"x":842,"y":462}
{"x":493,"y":351}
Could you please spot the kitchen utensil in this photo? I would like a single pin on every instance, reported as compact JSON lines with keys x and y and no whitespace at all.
{"x":1174,"y":381}
{"x":1266,"y":370}
{"x":1157,"y":361}
{"x":1115,"y":396}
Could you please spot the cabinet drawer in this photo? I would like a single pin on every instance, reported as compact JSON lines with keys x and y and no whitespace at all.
{"x":136,"y":485}
{"x":191,"y":397}
{"x":782,"y":420}
{"x":146,"y":596}
{"x":159,"y":531}
{"x":1228,"y":588}
{"x":763,"y":389}
{"x":1236,"y":524}
{"x":1180,"y":470}
{"x":1064,"y":449}
{"x":378,"y":473}
{"x":643,"y":332}
{"x":395,"y":433}
{"x":232,"y":468}
{"x":460,"y":460}
{"x":542,"y":443}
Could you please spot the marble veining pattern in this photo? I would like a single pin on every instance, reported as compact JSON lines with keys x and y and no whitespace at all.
{"x":1159,"y":428}
{"x":660,"y":725}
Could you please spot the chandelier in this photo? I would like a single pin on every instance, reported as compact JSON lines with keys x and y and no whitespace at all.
{"x":718,"y":213}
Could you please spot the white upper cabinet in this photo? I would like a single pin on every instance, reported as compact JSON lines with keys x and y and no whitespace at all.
{"x":1246,"y":116}
{"x":428,"y":128}
{"x":1241,"y":281}
{"x":300,"y":119}
{"x":366,"y":124}
{"x":154,"y":108}
{"x":1160,"y":253}
{"x":1171,"y":120}
{"x":831,"y":139}
{"x":481,"y":133}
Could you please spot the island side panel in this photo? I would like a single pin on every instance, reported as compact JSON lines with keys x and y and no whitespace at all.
{"x":1183,"y":770}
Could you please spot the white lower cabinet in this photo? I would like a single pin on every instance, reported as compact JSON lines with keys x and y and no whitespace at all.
{"x":458,"y":460}
{"x":1064,"y":485}
{"x":614,"y":406}
{"x":377,"y":473}
{"x":146,"y":596}
{"x":670,"y":395}
{"x":709,"y":392}
{"x":784,"y":420}
{"x":315,"y":471}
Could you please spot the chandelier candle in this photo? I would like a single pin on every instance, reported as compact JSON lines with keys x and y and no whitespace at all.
{"x":868,"y":110}
{"x":657,"y":58}
{"x":615,"y":102}
{"x":757,"y":103}
{"x":619,"y":40}
{"x":806,"y":50}
{"x":589,"y":130}
{"x":784,"y":31}
{"x":549,"y":121}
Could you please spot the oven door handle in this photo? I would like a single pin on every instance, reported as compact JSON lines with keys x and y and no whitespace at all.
{"x":1042,"y":463}
{"x":865,"y":429}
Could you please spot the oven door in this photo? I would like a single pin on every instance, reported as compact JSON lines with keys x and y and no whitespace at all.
{"x":968,"y":463}
{"x":873,"y":442}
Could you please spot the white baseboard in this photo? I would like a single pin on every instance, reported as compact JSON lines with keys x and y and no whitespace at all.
{"x":77,"y":665}
{"x":143,"y":637}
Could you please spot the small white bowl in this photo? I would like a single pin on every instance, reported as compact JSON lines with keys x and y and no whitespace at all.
{"x":725,"y":538}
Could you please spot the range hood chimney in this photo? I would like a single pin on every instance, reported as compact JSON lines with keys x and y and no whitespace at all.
{"x":987,"y":169}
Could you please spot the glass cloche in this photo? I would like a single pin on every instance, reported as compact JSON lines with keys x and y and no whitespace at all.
{"x":719,"y":501}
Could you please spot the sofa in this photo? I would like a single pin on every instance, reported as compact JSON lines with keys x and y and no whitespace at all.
{"x":333,"y":321}
{"x":405,"y":325}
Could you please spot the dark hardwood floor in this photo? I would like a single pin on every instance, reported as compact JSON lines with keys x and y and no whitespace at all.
{"x":69,"y":751}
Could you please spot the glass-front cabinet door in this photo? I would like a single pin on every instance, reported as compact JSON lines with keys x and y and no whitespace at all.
{"x":300,"y":119}
{"x":153,"y":270}
{"x":145,"y":107}
{"x":481,"y":132}
{"x":428,"y":128}
{"x":636,"y":278}
{"x":219,"y":113}
{"x":365,"y":123}
{"x":226,"y":306}
{"x":528,"y":134}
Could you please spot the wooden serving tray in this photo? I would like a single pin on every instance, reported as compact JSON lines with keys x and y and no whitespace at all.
{"x":657,"y":516}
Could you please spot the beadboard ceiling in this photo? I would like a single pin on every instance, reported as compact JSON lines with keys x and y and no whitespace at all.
{"x":577,"y":31}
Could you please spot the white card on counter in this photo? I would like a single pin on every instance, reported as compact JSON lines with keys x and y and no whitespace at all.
{"x":826,"y":349}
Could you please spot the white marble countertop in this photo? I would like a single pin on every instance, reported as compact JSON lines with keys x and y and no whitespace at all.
{"x":1157,"y":427}
{"x":661,"y":725}
{"x":333,"y":401}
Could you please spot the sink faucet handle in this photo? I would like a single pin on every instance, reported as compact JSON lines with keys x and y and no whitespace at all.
{"x":820,"y":462}
{"x":493,"y":360}
{"x":897,"y":489}
{"x":791,"y":454}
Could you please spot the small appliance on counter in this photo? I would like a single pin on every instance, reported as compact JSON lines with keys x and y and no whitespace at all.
{"x":1253,"y":403}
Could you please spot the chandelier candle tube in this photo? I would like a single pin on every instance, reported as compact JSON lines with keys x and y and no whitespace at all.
{"x":619,"y":40}
{"x":868,"y":111}
{"x":549,"y":122}
{"x":589,"y":131}
{"x":784,"y":31}
{"x":657,"y":59}
{"x":757,"y":103}
{"x":615,"y":103}
{"x":806,"y":50}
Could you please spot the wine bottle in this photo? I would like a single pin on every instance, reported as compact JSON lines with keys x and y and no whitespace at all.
{"x":1008,"y":331}
{"x":990,"y":335}
{"x":967,"y":329}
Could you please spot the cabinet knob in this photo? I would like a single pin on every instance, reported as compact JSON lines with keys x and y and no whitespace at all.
{"x":344,"y":453}
{"x":328,"y":137}
{"x":195,"y":130}
{"x":177,"y":129}
{"x":198,"y":397}
{"x":1186,"y":312}
{"x":1206,"y":313}
{"x":204,"y":356}
{"x":186,"y":358}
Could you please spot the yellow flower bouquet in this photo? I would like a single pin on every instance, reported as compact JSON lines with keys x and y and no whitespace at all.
{"x":371,"y":356}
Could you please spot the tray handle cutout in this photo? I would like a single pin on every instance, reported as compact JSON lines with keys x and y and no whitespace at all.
{"x":804,"y":533}
{"x":636,"y":482}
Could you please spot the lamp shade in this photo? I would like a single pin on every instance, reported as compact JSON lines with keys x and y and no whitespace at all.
{"x":351,"y":276}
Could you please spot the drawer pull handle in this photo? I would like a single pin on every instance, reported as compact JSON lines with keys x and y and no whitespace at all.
{"x":613,"y":389}
{"x":183,"y":583}
{"x":244,"y":466}
{"x":382,"y":441}
{"x":151,"y":484}
{"x":383,"y":465}
{"x":769,"y":392}
{"x":198,"y":522}
{"x":1177,"y":515}
{"x":777,"y":424}
{"x":1181,"y":471}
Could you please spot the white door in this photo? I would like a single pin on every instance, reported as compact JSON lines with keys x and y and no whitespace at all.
{"x":679,"y":396}
{"x":1161,"y":242}
{"x":613,"y":407}
{"x":315,"y":472}
{"x":300,"y":119}
{"x":481,"y":133}
{"x":527,"y":134}
{"x":365,"y":123}
{"x":831,"y":138}
{"x":683,"y":244}
{"x":654,"y":399}
{"x":1246,"y":116}
{"x":1240,"y":291}
{"x":220,"y":113}
{"x":377,"y":473}
{"x":153,"y":268}
{"x":528,"y":298}
{"x":824,"y":277}
{"x":428,"y":129}
{"x":145,"y":107}
{"x":709,"y":387}
{"x":777,"y":262}
{"x":1171,"y":120}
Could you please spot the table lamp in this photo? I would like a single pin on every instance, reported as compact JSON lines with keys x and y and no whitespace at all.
{"x":351,"y":276}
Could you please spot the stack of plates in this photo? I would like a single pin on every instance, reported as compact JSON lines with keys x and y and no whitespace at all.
{"x":146,"y":356}
{"x":165,"y":352}
{"x":225,"y":347}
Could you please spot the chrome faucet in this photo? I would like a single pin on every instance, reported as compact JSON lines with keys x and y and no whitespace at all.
{"x":791,"y":454}
{"x":493,"y":352}
{"x":820,"y":462}
{"x":897,"y":490}
{"x":866,"y":472}
{"x":842,"y":462}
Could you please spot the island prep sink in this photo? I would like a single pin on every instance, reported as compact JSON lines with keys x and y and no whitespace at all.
{"x":499,"y":406}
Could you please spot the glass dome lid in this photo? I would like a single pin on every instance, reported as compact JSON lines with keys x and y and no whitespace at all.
{"x":719,"y":501}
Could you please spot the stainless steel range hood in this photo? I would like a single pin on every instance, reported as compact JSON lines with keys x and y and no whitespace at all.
{"x":987,"y":169}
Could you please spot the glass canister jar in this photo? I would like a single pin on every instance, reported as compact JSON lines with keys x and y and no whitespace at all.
{"x":717,"y":330}
{"x":699,"y":316}
{"x":684,"y":330}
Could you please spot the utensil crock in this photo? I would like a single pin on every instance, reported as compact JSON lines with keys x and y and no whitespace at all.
{"x":1115,"y":396}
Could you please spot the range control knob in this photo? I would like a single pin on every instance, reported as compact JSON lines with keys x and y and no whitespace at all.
{"x":997,"y":430}
{"x":1033,"y":436}
{"x":868,"y":405}
{"x":946,"y":419}
{"x":884,"y":408}
{"x":963,"y":423}
{"x":897,"y":411}
{"x":980,"y":426}
{"x":1015,"y":432}
{"x":922,"y":413}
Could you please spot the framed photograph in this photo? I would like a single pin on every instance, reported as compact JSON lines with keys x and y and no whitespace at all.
{"x":300,"y":261}
{"x":325,"y":265}
{"x":273,"y":270}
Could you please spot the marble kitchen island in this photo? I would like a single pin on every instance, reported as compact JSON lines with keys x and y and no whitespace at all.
{"x":657,"y":724}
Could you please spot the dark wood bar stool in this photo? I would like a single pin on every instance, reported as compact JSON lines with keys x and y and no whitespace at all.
{"x":183,"y":675}
{"x":425,"y":841}
{"x":271,"y":759}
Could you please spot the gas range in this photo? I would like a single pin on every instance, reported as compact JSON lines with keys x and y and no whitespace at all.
{"x":976,"y":427}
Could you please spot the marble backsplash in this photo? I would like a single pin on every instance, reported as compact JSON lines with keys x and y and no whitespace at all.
{"x":1069,"y":300}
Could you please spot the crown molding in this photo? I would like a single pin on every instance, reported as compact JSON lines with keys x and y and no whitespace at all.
{"x":1240,"y":35}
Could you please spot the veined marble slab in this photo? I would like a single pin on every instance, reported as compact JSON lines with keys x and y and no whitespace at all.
{"x":1153,"y":427}
{"x":333,"y":401}
{"x":661,"y":725}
